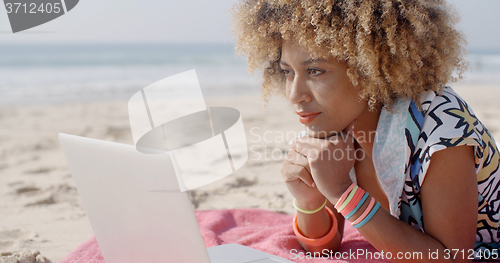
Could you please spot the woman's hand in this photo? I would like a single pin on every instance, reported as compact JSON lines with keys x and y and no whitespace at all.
{"x":328,"y":163}
{"x":297,"y":176}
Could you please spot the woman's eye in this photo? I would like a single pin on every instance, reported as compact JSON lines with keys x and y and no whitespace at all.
{"x":314,"y":72}
{"x":286,"y":72}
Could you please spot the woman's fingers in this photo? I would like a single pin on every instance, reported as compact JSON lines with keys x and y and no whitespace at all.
{"x":314,"y":149}
{"x":298,"y":159}
{"x":292,"y":172}
{"x":330,"y":161}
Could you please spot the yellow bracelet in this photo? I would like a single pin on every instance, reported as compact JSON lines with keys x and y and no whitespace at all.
{"x":308,"y":211}
{"x":348,"y":199}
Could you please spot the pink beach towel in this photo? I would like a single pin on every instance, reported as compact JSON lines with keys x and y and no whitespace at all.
{"x":267,"y":231}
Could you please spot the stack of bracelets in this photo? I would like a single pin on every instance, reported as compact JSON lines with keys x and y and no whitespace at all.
{"x":347,"y":205}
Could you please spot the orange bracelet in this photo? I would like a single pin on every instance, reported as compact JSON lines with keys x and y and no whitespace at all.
{"x":344,"y":196}
{"x":354,"y":202}
{"x":366,"y":212}
{"x":316,"y":242}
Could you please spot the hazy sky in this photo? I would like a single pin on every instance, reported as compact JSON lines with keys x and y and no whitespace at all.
{"x":196,"y":21}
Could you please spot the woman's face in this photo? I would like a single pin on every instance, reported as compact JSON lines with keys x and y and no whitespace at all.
{"x":320,"y":91}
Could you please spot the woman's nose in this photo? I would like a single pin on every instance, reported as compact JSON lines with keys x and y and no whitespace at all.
{"x":298,"y":92}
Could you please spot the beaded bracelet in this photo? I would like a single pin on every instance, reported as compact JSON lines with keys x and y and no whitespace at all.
{"x":316,"y":242}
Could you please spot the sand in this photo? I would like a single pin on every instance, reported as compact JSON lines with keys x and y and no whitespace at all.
{"x":40,"y":209}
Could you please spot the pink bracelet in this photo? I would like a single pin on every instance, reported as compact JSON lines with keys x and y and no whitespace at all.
{"x":354,"y":202}
{"x":344,"y":196}
{"x":316,"y":242}
{"x":366,"y":212}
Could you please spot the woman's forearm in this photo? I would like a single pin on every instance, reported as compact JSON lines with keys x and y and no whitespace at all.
{"x":403,"y":243}
{"x":317,"y":225}
{"x":389,"y":235}
{"x":449,"y":208}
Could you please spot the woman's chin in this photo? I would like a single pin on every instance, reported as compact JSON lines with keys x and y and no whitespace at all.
{"x":319,"y":133}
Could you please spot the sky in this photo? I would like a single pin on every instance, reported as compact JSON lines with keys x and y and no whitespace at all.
{"x":196,"y":21}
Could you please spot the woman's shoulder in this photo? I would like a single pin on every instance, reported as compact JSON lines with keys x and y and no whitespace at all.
{"x":445,"y":118}
{"x":445,"y":121}
{"x":447,"y":98}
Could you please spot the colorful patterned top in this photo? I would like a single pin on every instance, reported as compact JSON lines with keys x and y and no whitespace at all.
{"x":407,"y":138}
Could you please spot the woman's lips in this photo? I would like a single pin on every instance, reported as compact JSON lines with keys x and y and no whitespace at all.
{"x":306,"y":117}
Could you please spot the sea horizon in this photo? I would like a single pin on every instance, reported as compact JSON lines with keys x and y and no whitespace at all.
{"x":73,"y":72}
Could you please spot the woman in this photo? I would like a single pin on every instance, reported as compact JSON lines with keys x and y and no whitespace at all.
{"x":367,"y":80}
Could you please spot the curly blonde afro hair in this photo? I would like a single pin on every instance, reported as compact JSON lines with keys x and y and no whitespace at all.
{"x":393,"y":48}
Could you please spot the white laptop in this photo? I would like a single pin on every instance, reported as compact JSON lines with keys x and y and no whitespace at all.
{"x":132,"y":220}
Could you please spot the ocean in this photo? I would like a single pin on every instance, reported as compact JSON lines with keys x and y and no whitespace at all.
{"x":484,"y":67}
{"x":32,"y":74}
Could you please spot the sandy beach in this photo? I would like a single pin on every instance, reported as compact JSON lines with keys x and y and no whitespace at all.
{"x":40,"y":209}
